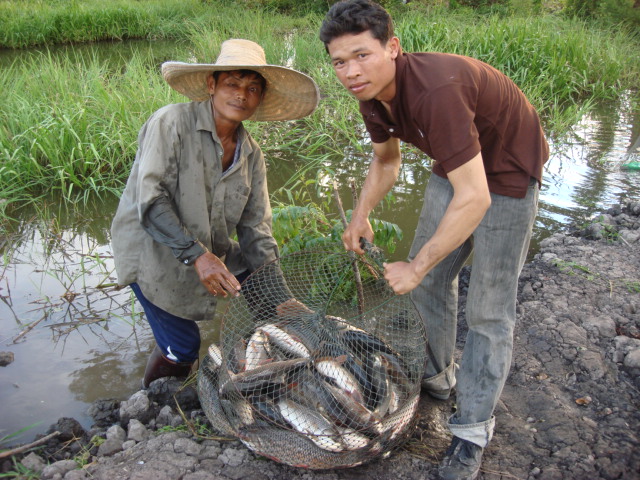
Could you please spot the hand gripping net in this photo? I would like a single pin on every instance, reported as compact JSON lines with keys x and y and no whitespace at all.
{"x":332,"y":384}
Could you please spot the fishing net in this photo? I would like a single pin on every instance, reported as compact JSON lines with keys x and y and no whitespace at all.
{"x":331,"y":381}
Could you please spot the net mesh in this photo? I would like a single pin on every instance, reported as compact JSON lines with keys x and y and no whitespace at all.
{"x":333,"y":380}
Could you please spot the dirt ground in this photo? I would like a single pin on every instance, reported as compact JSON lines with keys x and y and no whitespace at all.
{"x":569,"y":410}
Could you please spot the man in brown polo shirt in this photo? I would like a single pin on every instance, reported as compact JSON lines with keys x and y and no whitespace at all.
{"x":488,"y":149}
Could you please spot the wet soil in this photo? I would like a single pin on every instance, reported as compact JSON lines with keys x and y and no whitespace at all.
{"x":570,"y":408}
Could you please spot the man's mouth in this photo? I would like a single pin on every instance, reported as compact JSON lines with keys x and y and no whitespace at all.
{"x":357,"y":87}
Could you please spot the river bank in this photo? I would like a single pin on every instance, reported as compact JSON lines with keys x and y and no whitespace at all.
{"x":570,"y":409}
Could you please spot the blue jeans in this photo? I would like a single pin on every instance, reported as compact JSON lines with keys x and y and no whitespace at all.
{"x":499,"y":246}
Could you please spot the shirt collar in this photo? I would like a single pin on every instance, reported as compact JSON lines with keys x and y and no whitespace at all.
{"x":204,"y":121}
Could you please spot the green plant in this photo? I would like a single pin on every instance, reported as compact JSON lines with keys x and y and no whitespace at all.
{"x":21,"y":472}
{"x":632,"y":286}
{"x":574,"y":268}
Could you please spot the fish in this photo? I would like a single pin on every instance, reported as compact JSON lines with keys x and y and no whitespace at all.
{"x":384,"y":386}
{"x":238,"y":410}
{"x":257,"y":351}
{"x":359,"y":341}
{"x":304,"y":330}
{"x":263,"y":377}
{"x":397,"y":370}
{"x":317,"y":428}
{"x":287,"y":342}
{"x":266,"y":408}
{"x":314,"y":392}
{"x":396,"y":423}
{"x":356,"y":368}
{"x":215,"y":354}
{"x":332,"y":369}
{"x":353,"y":440}
{"x":358,"y":416}
{"x":236,"y":360}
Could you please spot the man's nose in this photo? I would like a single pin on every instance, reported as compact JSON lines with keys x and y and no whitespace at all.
{"x":353,"y":70}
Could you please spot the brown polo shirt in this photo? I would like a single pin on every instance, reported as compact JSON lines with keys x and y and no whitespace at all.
{"x":452,"y":107}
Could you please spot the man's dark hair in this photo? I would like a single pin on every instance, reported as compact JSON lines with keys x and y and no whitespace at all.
{"x":354,"y":17}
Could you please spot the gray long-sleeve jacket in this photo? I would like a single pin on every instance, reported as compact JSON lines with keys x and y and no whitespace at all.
{"x":178,"y":158}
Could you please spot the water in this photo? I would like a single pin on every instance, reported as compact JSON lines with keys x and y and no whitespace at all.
{"x":77,"y":339}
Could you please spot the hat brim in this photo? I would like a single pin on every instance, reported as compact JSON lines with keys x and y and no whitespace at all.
{"x":289,"y":94}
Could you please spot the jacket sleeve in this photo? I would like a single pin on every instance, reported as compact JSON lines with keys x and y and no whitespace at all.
{"x":161,"y":221}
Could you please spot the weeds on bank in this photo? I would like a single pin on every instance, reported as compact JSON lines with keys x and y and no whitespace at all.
{"x":574,"y":268}
{"x":633,"y":286}
{"x":20,"y":472}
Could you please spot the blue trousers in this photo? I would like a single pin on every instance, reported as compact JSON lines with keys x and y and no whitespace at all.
{"x":499,"y":246}
{"x":178,"y":338}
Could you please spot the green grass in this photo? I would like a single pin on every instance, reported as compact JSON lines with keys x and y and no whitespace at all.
{"x":69,"y":123}
{"x":36,"y":22}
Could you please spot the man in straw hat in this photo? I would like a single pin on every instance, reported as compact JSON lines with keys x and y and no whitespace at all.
{"x":488,"y":149}
{"x":198,"y":176}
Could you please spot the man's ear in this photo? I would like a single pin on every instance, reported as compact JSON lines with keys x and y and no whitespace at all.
{"x":211,"y":84}
{"x":394,"y":47}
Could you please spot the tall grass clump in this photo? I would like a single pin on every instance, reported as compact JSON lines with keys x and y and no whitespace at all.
{"x":70,"y":125}
{"x":36,"y":22}
{"x":559,"y":63}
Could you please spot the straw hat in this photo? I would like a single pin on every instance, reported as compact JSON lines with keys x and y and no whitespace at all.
{"x":289,"y":94}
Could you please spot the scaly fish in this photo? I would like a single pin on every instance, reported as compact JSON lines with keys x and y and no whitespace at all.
{"x":215,"y":354}
{"x":285,"y":341}
{"x":353,"y":440}
{"x":332,"y":369}
{"x":358,"y":416}
{"x":257,"y":352}
{"x":263,"y":378}
{"x":356,"y":368}
{"x":316,"y":428}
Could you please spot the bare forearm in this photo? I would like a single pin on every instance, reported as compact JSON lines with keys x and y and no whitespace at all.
{"x":380,"y":179}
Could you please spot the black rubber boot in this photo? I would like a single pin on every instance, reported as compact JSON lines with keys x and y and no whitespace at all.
{"x":159,"y":366}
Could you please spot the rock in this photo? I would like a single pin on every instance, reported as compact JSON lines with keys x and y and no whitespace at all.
{"x":603,"y":326}
{"x":105,"y":412}
{"x":34,"y":462}
{"x":138,"y":407}
{"x":232,"y":457}
{"x":188,"y":446}
{"x":116,"y":432}
{"x":6,"y":358}
{"x":58,"y":468}
{"x":137,"y":430}
{"x":109,"y":447}
{"x":76,"y":475}
{"x":632,"y":359}
{"x":69,"y":429}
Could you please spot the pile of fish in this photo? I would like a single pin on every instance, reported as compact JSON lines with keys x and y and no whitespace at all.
{"x":342,"y":388}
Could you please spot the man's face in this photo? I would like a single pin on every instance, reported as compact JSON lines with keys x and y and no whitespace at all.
{"x":365,"y":66}
{"x":235,"y":96}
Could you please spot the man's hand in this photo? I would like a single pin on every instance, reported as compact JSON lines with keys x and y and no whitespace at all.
{"x":215,"y":277}
{"x":401,"y":276}
{"x":357,"y":229}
